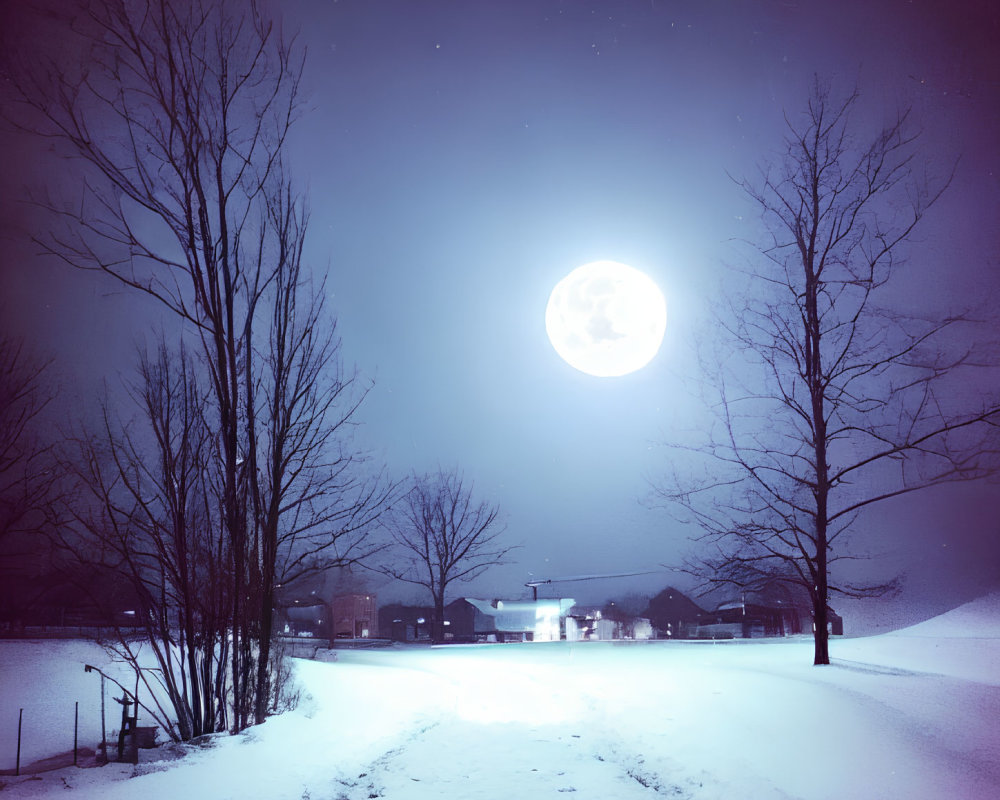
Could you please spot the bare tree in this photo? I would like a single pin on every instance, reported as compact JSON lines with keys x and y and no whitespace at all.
{"x":28,"y":485}
{"x":442,"y":536}
{"x":827,"y":401}
{"x":25,"y":471}
{"x":146,"y":510}
{"x":177,"y":120}
{"x":313,"y":502}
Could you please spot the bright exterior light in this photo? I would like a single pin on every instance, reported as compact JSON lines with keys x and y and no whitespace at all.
{"x":547,"y":622}
{"x":606,"y":319}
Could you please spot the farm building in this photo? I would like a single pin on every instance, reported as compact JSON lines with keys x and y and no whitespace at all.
{"x":353,"y":616}
{"x":469,"y":619}
{"x":775,"y":610}
{"x":673,"y":614}
{"x":591,"y":623}
{"x":303,"y":619}
{"x":403,"y":623}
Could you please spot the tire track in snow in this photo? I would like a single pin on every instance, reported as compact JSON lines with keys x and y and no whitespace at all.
{"x":500,"y":761}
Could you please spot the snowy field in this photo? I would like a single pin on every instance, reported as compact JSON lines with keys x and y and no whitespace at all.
{"x":913,"y":714}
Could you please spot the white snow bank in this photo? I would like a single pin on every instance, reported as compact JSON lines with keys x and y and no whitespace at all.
{"x":976,"y":620}
{"x":963,"y":643}
{"x":597,"y":720}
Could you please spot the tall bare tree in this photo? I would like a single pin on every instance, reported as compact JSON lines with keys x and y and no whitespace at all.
{"x":177,"y":120}
{"x":442,"y":536}
{"x":313,"y":501}
{"x":827,"y":400}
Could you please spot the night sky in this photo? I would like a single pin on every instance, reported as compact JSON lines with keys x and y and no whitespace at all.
{"x":462,"y":157}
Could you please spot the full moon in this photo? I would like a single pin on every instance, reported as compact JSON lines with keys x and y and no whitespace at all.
{"x":606,"y":319}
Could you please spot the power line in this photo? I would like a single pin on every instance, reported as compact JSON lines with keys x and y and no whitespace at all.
{"x":573,"y":578}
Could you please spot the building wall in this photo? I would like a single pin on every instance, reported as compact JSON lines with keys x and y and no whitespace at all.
{"x":461,"y":620}
{"x":405,"y":623}
{"x":354,"y":616}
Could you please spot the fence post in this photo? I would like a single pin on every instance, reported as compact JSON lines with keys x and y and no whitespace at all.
{"x":17,"y":766}
{"x":76,"y":728}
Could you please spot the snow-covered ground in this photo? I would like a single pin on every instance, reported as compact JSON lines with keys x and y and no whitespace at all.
{"x":912,"y":714}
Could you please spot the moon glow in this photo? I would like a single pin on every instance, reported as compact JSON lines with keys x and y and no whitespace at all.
{"x":606,"y":319}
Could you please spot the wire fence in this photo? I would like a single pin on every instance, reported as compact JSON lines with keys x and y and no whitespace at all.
{"x":75,"y":756}
{"x":120,"y":743}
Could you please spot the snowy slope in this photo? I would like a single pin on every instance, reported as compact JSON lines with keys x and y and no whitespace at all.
{"x":978,"y":619}
{"x":963,"y":643}
{"x":599,"y":720}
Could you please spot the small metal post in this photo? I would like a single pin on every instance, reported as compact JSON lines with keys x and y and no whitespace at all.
{"x":104,"y":736}
{"x":17,"y":767}
{"x":76,"y":728}
{"x":126,"y":702}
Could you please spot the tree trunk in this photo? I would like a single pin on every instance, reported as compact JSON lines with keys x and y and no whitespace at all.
{"x":438,"y":626}
{"x":821,"y":631}
{"x":263,"y":693}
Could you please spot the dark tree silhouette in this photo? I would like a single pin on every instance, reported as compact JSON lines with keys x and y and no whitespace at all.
{"x":827,"y":400}
{"x":441,"y":537}
{"x":28,"y":481}
{"x":146,"y":509}
{"x":26,"y":477}
{"x":177,"y":120}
